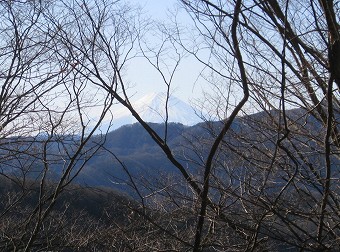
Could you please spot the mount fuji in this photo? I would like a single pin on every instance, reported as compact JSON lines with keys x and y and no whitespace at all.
{"x":151,"y":108}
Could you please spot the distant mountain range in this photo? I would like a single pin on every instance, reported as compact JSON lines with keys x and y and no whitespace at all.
{"x":140,"y":155}
{"x":129,"y":151}
{"x":151,"y":108}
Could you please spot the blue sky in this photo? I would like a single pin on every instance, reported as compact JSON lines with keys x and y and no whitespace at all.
{"x":156,"y":8}
{"x":143,"y":77}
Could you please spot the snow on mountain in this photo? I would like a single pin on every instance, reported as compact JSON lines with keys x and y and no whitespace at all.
{"x":151,"y":108}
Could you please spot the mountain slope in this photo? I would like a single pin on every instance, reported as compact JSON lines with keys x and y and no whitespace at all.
{"x":250,"y":140}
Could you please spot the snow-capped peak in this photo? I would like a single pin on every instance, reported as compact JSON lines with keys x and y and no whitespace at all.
{"x":152,"y":108}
